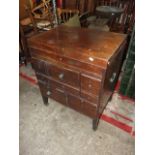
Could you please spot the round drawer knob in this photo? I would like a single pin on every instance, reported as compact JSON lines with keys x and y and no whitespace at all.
{"x":89,"y":85}
{"x":61,"y":76}
{"x":48,"y":93}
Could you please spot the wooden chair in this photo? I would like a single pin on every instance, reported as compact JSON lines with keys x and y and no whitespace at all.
{"x":24,"y":34}
{"x":107,"y":2}
{"x":24,"y":18}
{"x":126,"y":20}
{"x":26,"y":26}
{"x":41,"y":15}
{"x":65,"y":14}
{"x":123,"y":22}
{"x":38,"y":19}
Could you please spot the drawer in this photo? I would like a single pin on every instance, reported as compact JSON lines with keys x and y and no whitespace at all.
{"x":91,"y":98}
{"x":52,"y":83}
{"x":74,"y":103}
{"x":82,"y":106}
{"x":64,"y":75}
{"x":52,"y":89}
{"x":38,"y":65}
{"x":54,"y":92}
{"x":59,"y":95}
{"x":90,"y":85}
{"x":89,"y":109}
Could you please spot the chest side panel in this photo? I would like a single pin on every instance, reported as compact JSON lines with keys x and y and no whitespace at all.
{"x":111,"y":77}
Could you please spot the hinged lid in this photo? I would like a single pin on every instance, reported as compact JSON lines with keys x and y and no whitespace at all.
{"x":93,"y":46}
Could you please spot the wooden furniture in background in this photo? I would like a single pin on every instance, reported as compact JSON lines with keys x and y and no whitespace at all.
{"x":24,"y":17}
{"x":78,"y":67}
{"x":125,"y":22}
{"x":107,"y":2}
{"x":65,"y":14}
{"x":25,"y":32}
{"x":25,"y":26}
{"x":41,"y":15}
{"x":22,"y":12}
{"x":82,"y":5}
{"x":122,"y":23}
{"x":33,"y":19}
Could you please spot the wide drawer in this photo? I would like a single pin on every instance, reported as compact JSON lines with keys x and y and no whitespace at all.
{"x":64,"y":75}
{"x":49,"y":83}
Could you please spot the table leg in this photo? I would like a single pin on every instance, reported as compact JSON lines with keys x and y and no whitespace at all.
{"x":95,"y":123}
{"x":45,"y":100}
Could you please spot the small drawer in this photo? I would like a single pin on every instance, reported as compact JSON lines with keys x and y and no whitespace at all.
{"x":91,"y":98}
{"x":89,"y":109}
{"x":52,"y":89}
{"x":55,"y":93}
{"x":38,"y":65}
{"x":64,"y":75}
{"x":74,"y":103}
{"x":82,"y":106}
{"x":90,"y":85}
{"x":59,"y":95}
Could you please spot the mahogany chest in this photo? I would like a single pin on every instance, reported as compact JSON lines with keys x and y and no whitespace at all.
{"x":77,"y":67}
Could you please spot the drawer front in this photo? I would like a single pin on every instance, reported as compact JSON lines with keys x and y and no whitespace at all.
{"x":64,"y":75}
{"x":90,"y":85}
{"x":51,"y":83}
{"x":59,"y":95}
{"x":91,"y":98}
{"x":82,"y":106}
{"x":52,"y":89}
{"x":39,"y":65}
{"x":74,"y":103}
{"x":89,"y":109}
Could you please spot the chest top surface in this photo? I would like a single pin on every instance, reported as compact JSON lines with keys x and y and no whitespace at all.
{"x":91,"y":43}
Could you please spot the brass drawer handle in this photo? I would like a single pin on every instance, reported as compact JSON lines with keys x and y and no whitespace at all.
{"x":48,"y":93}
{"x":61,"y":76}
{"x":113,"y":77}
